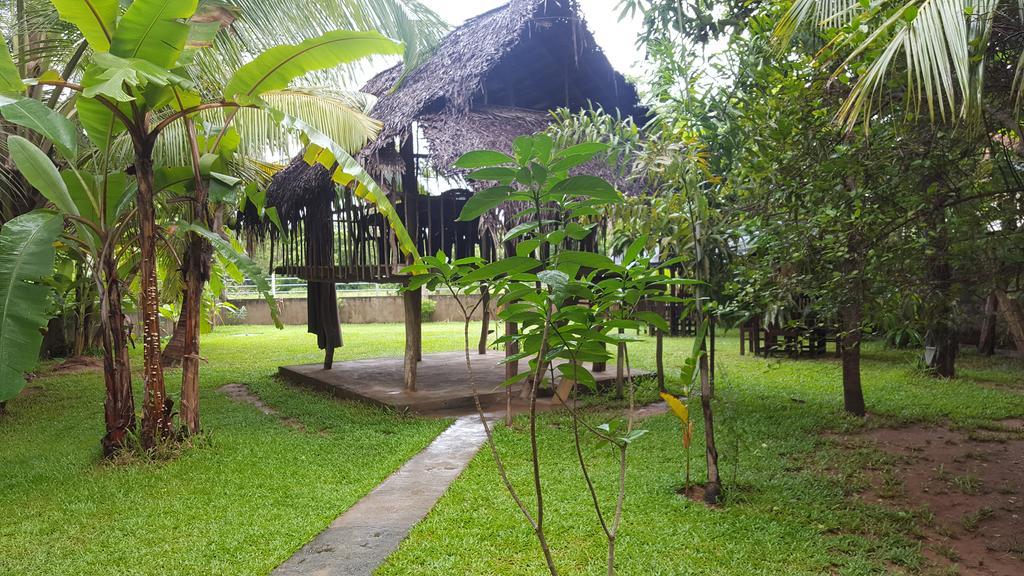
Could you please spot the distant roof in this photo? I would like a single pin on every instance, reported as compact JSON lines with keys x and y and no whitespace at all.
{"x":512,"y":63}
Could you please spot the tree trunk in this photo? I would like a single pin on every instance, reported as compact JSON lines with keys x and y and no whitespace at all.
{"x":119,"y":406}
{"x":156,"y":406}
{"x":191,"y":312}
{"x":485,"y":328}
{"x":987,"y":338}
{"x":852,"y":316}
{"x":713,"y":488}
{"x":940,"y":272}
{"x":620,"y":369}
{"x":1014,"y":314}
{"x":853,"y":393}
{"x":174,"y":351}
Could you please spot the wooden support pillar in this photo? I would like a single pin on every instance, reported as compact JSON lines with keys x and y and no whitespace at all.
{"x":412,"y":300}
{"x":411,"y":358}
{"x":601,"y":366}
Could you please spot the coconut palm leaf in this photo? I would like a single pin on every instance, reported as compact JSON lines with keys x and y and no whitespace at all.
{"x":943,"y":44}
{"x":340,"y":115}
{"x":26,"y":257}
{"x":258,"y":25}
{"x":277,"y":67}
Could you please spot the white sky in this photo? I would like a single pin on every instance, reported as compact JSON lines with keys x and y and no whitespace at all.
{"x":617,"y":39}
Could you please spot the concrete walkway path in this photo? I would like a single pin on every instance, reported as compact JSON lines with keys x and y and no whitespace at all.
{"x":361,"y":538}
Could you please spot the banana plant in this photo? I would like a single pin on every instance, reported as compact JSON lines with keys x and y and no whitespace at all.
{"x":26,"y":257}
{"x":137,"y":87}
{"x":98,"y":210}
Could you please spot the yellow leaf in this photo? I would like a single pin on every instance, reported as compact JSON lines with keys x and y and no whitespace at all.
{"x":677,"y":407}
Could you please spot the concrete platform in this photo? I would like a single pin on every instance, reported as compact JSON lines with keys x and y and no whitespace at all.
{"x":443,"y":384}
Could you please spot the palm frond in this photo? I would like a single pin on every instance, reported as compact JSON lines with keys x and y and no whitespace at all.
{"x":341,"y":115}
{"x":262,"y":24}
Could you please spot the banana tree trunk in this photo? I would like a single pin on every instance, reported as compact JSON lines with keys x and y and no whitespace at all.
{"x":119,"y":406}
{"x":174,"y":351}
{"x":157,"y":407}
{"x":196,"y":270}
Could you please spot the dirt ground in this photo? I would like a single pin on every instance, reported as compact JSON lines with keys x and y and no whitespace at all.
{"x":972,"y":482}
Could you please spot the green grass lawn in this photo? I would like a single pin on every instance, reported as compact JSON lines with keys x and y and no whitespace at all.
{"x":789,"y":508}
{"x":241,"y":505}
{"x":260,"y":489}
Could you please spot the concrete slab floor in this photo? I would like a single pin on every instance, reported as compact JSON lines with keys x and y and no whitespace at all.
{"x":363,"y":537}
{"x":443,"y":386}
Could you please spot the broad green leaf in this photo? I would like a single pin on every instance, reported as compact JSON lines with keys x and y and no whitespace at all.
{"x":654,"y":319}
{"x":101,"y":126}
{"x":46,"y":122}
{"x":589,"y":186}
{"x":483,"y":159}
{"x":239,"y":259}
{"x":494,"y":270}
{"x":498,"y":174}
{"x":40,"y":172}
{"x":484,"y":201}
{"x":10,"y":79}
{"x":95,"y":19}
{"x":585,"y":149}
{"x":276,"y":68}
{"x":587,"y":260}
{"x":26,"y":258}
{"x":527,"y":247}
{"x":579,"y":374}
{"x":153,"y":30}
{"x":82,"y":195}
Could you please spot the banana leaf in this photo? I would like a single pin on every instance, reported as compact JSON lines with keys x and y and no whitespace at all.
{"x":26,"y":257}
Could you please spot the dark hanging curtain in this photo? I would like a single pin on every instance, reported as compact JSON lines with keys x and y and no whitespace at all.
{"x":322,"y":301}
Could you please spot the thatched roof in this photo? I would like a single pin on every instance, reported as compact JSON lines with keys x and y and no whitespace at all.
{"x":493,"y":79}
{"x":300,"y":187}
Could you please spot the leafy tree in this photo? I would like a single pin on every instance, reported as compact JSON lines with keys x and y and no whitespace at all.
{"x":569,"y":303}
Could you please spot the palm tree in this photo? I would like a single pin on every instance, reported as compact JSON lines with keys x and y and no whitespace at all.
{"x":961,"y":59}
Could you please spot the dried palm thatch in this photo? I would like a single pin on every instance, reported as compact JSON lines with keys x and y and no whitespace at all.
{"x":492,"y":79}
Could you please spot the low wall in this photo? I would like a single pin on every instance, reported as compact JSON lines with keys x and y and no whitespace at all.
{"x":355,"y":310}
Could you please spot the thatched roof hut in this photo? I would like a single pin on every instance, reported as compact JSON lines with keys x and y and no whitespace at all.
{"x":492,"y":79}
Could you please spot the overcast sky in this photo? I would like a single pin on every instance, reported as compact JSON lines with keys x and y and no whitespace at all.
{"x":618,"y":39}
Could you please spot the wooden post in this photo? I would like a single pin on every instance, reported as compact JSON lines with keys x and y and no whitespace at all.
{"x":743,"y":339}
{"x":601,"y":366}
{"x":413,"y":300}
{"x":411,"y":360}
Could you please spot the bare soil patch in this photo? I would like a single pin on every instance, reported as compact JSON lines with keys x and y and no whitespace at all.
{"x":971,"y":482}
{"x":241,"y":393}
{"x":78,"y":364}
